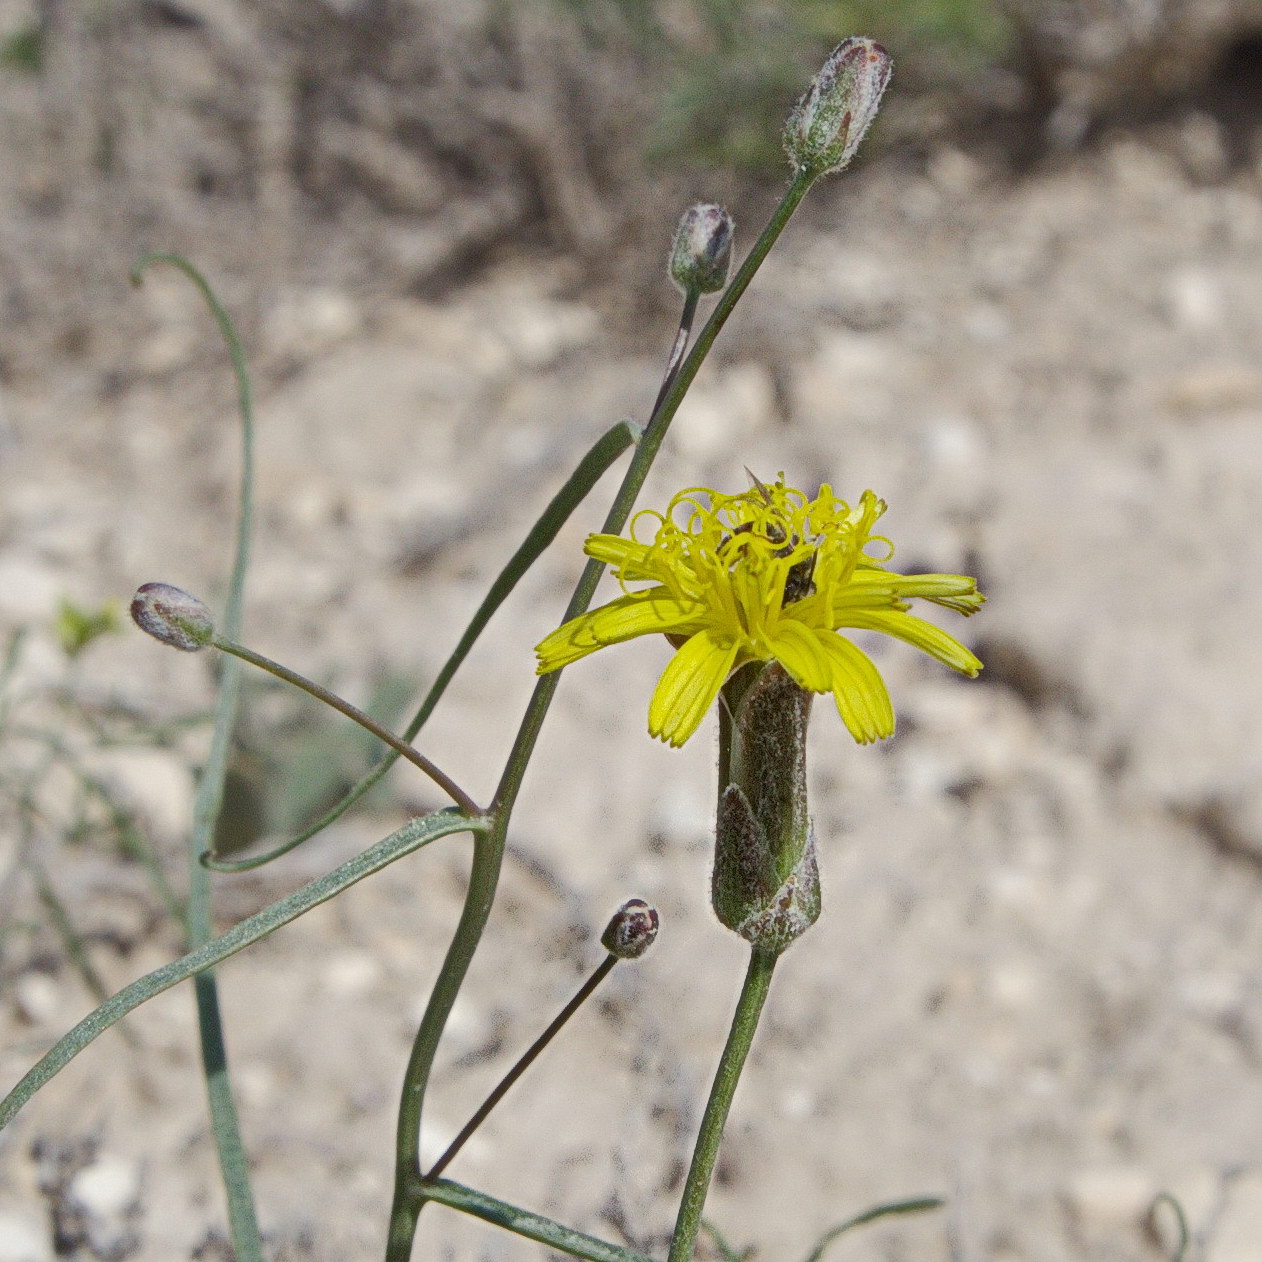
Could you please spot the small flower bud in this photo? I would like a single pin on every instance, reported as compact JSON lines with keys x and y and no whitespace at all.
{"x":173,"y":616}
{"x":825,"y":127}
{"x":632,"y":930}
{"x":702,"y":252}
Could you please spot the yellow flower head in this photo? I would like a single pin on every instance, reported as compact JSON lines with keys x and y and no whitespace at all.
{"x":765,"y":575}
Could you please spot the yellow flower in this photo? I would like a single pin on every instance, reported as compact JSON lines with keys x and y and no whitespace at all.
{"x":768,"y":574}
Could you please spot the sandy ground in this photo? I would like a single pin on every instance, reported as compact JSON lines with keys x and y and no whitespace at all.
{"x":1035,"y":988}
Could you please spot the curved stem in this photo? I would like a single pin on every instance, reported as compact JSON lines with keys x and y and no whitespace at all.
{"x":706,"y":1151}
{"x":1180,"y":1246}
{"x":199,"y":916}
{"x":245,"y":407}
{"x":367,"y":722}
{"x":917,"y":1205}
{"x":721,"y":1243}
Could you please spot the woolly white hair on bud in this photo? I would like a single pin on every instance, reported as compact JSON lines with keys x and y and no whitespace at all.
{"x":701,"y":254}
{"x":826,"y":126}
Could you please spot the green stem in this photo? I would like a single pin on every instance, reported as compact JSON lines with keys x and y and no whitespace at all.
{"x":523,"y":1223}
{"x":366,"y":721}
{"x":245,"y":407}
{"x":691,"y":299}
{"x":489,"y":853}
{"x":780,"y":217}
{"x":524,"y":1061}
{"x":243,"y":1221}
{"x":706,"y":1151}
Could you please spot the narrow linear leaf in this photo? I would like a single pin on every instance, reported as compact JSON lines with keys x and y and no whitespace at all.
{"x":412,"y":836}
{"x":524,"y":1223}
{"x":918,"y":1205}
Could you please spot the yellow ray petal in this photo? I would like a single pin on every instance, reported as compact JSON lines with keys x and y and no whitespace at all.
{"x":862,"y":699}
{"x":930,"y":586}
{"x":916,"y":631}
{"x":957,"y":592}
{"x":640,"y":613}
{"x":800,"y":651}
{"x":689,"y":685}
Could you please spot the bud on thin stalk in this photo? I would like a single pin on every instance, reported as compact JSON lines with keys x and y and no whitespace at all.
{"x":632,"y":930}
{"x":173,"y":616}
{"x":629,"y":934}
{"x":702,"y":251}
{"x":825,"y":127}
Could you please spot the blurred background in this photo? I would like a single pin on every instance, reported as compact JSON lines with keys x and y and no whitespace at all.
{"x":1029,"y":318}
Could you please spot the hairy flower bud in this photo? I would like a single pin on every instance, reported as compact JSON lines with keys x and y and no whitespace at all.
{"x":766,"y":879}
{"x":702,"y":252}
{"x":825,"y":127}
{"x":632,"y":930}
{"x":173,"y":616}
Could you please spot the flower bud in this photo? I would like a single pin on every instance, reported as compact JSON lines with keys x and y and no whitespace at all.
{"x":825,"y":127}
{"x":632,"y":930}
{"x":766,"y":879}
{"x":173,"y":616}
{"x":702,"y":252}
